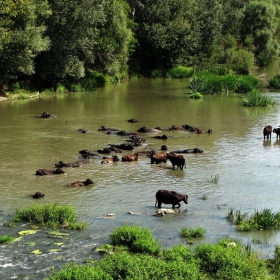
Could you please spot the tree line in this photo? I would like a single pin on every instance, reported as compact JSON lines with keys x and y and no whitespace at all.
{"x":47,"y":42}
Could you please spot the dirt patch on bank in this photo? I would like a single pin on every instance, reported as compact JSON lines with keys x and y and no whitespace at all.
{"x":3,"y":98}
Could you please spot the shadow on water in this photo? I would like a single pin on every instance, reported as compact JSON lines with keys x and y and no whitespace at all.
{"x":246,"y":164}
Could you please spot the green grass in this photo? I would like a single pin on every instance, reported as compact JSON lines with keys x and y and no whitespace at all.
{"x":196,"y":95}
{"x":255,"y":99}
{"x":259,"y":220}
{"x":52,"y":215}
{"x":137,"y":239}
{"x":6,"y":239}
{"x":192,"y":232}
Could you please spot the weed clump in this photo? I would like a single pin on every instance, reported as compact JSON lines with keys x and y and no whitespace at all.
{"x":52,"y":215}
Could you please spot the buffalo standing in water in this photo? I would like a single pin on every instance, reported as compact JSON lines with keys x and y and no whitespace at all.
{"x":170,"y":197}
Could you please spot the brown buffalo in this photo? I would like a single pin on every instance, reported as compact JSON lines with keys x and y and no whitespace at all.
{"x":158,"y":157}
{"x":277,"y":131}
{"x":130,"y":157}
{"x":42,"y":172}
{"x":81,"y":183}
{"x":110,"y":160}
{"x":176,"y":160}
{"x":170,"y":197}
{"x":267,"y":132}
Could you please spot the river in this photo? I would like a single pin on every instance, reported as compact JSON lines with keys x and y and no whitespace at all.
{"x":247,"y":166}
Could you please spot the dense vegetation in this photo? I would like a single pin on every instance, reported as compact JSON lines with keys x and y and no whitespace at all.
{"x":228,"y":259}
{"x":79,"y":45}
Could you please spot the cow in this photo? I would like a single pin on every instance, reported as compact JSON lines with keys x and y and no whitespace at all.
{"x":158,"y":157}
{"x":81,"y":183}
{"x":267,"y":132}
{"x":277,"y":131}
{"x":42,"y":172}
{"x":170,"y":197}
{"x":38,"y":195}
{"x":62,"y":164}
{"x":110,"y":160}
{"x":176,"y":160}
{"x":130,"y":157}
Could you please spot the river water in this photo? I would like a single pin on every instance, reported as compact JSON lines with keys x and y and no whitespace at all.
{"x":247,"y":166}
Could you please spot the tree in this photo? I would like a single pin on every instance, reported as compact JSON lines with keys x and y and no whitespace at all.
{"x":22,"y":38}
{"x":164,"y":34}
{"x":258,"y":30}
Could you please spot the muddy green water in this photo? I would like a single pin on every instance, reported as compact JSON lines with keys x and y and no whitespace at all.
{"x":247,"y":165}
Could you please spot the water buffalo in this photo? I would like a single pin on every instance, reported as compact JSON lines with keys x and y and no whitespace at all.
{"x":62,"y":164}
{"x":38,"y":195}
{"x":175,"y":127}
{"x":164,"y":137}
{"x":267,"y":132}
{"x":82,"y":130}
{"x":176,"y":160}
{"x":145,"y":129}
{"x":42,"y":172}
{"x":130,"y":157}
{"x":110,"y":160}
{"x":47,"y":115}
{"x":170,"y":197}
{"x":189,"y":151}
{"x":87,"y":154}
{"x":158,"y":157}
{"x":277,"y":131}
{"x":132,"y":120}
{"x":164,"y":148}
{"x":81,"y":183}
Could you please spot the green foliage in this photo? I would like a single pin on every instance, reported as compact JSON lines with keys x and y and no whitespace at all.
{"x":136,"y":238}
{"x":180,"y":72}
{"x":61,"y":88}
{"x":259,"y":220}
{"x":209,"y":83}
{"x":80,"y":272}
{"x":192,"y":232}
{"x":229,"y":260}
{"x":6,"y":239}
{"x":196,"y":95}
{"x":51,"y":214}
{"x":255,"y":99}
{"x":274,"y":82}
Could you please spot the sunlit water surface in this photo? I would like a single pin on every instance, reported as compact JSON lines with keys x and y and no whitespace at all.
{"x":247,"y":166}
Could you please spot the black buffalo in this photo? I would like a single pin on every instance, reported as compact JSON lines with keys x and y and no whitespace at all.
{"x":46,"y":115}
{"x":277,"y":131}
{"x":43,"y":172}
{"x":170,"y":197}
{"x":38,"y":195}
{"x":62,"y":164}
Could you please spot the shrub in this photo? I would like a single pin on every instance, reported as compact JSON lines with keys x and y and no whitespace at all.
{"x":274,"y":82}
{"x":80,"y":272}
{"x":51,"y":215}
{"x":6,"y":239}
{"x":61,"y":88}
{"x":196,"y":95}
{"x":192,"y":232}
{"x":158,"y":73}
{"x":137,"y":239}
{"x":230,"y":260}
{"x":255,"y":99}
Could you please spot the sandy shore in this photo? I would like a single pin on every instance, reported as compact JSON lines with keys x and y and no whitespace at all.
{"x":3,"y":98}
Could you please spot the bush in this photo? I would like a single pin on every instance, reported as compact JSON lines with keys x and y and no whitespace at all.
{"x":255,"y":99}
{"x":274,"y":82}
{"x":50,"y":215}
{"x":158,"y":73}
{"x":192,"y":232}
{"x":196,"y":95}
{"x":229,"y":260}
{"x":137,"y":239}
{"x":80,"y":272}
